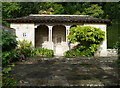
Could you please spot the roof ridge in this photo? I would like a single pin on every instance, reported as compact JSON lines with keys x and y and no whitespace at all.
{"x":55,"y":15}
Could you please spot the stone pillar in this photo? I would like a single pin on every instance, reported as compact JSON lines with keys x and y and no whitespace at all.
{"x":67,"y":32}
{"x":50,"y":37}
{"x":50,"y":33}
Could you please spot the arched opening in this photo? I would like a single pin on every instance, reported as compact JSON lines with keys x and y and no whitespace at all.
{"x":59,"y":32}
{"x":58,"y":38}
{"x":73,"y":26}
{"x":41,"y":35}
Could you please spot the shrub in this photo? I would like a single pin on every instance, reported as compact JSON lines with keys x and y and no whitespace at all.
{"x":24,"y":48}
{"x":8,"y":44}
{"x":89,"y":38}
{"x":43,"y":52}
{"x":84,"y":34}
{"x":8,"y":80}
{"x":82,"y":50}
{"x":9,"y":56}
{"x":8,"y":41}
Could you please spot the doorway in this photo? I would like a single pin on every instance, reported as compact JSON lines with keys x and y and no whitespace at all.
{"x":59,"y":36}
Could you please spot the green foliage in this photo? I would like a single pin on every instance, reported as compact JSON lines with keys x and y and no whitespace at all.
{"x":86,"y":8}
{"x":8,"y":44}
{"x":85,"y":34}
{"x":94,"y":10}
{"x":8,"y":80}
{"x":8,"y":41}
{"x":24,"y":48}
{"x":7,"y":69}
{"x":74,"y":7}
{"x":82,"y":50}
{"x":9,"y":56}
{"x":89,"y":38}
{"x":108,"y":10}
{"x":42,"y":52}
{"x":57,"y":8}
{"x":113,"y":33}
{"x":111,"y":10}
{"x":10,"y":9}
{"x":116,"y":45}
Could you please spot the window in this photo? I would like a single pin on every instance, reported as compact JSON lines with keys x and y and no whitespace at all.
{"x":24,"y":34}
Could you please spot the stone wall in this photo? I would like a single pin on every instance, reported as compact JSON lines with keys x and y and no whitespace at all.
{"x":24,"y":31}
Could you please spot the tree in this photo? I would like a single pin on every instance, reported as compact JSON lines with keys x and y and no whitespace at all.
{"x":58,"y":8}
{"x":28,"y":8}
{"x":94,"y":10}
{"x":83,"y":8}
{"x":112,"y":11}
{"x":10,"y":9}
{"x":74,"y":7}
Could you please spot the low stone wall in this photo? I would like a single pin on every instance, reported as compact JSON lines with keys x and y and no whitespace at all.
{"x":112,"y":52}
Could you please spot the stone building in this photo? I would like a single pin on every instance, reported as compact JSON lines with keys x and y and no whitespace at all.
{"x":50,"y":31}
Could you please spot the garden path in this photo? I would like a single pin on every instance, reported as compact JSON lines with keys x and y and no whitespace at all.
{"x":83,"y":71}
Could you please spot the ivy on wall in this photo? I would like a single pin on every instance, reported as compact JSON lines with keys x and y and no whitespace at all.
{"x":89,"y":39}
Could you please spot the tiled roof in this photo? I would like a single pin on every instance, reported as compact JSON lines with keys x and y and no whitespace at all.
{"x":58,"y":19}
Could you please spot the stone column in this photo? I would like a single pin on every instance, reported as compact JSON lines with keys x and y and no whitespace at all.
{"x":67,"y":32}
{"x":50,"y":37}
{"x":50,"y":33}
{"x":35,"y":26}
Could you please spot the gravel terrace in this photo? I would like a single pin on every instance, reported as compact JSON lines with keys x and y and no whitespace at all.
{"x":60,"y":71}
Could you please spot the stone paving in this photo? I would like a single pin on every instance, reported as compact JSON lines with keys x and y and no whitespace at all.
{"x":83,"y":71}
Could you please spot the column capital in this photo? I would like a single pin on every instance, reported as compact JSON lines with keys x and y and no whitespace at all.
{"x":67,"y":27}
{"x":50,"y":27}
{"x":67,"y":31}
{"x":35,"y":26}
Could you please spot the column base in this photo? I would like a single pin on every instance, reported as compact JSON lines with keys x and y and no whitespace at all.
{"x":50,"y":45}
{"x":100,"y":53}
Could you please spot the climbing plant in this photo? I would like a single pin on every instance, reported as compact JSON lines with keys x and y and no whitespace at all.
{"x":89,"y":39}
